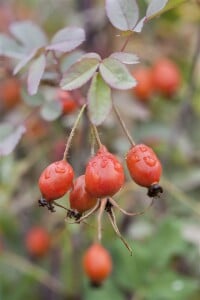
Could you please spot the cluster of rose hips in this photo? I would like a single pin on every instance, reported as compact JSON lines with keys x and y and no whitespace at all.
{"x":163,"y":77}
{"x":94,"y":190}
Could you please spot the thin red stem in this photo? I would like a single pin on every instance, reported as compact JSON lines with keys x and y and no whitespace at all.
{"x":69,"y":141}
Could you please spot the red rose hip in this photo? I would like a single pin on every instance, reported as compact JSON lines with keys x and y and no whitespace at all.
{"x":67,"y":102}
{"x":56,"y":180}
{"x":145,"y":168}
{"x":144,"y":87}
{"x":37,"y":241}
{"x":79,"y":198}
{"x":97,"y":264}
{"x":166,"y":77}
{"x":104,"y":175}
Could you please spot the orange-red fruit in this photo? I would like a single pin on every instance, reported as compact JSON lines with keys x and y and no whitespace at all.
{"x":143,"y":165}
{"x":56,"y":180}
{"x":79,"y":198}
{"x":145,"y":86}
{"x":97,"y":263}
{"x":37,"y":241}
{"x":104,"y":175}
{"x":10,"y":92}
{"x":67,"y":101}
{"x":166,"y":76}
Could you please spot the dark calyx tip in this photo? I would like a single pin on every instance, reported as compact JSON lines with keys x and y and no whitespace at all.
{"x":95,"y":285}
{"x":43,"y":202}
{"x":154,"y":190}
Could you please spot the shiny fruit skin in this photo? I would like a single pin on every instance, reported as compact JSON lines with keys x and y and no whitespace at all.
{"x":37,"y":241}
{"x":166,"y":77}
{"x":67,"y":102}
{"x":10,"y":93}
{"x":143,"y":165}
{"x":97,"y":263}
{"x":79,"y":198}
{"x":104,"y":175}
{"x":56,"y":180}
{"x":145,"y":86}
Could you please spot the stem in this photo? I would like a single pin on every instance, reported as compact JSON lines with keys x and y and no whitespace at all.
{"x":69,"y":141}
{"x":113,"y":222}
{"x":25,"y":266}
{"x":57,"y":66}
{"x":112,"y":201}
{"x":99,"y":218}
{"x":125,"y":43}
{"x":125,"y":129}
{"x":96,"y":134}
{"x":93,"y":210}
{"x":59,"y":205}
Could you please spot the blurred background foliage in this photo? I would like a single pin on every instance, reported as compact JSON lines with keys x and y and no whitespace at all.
{"x":166,"y":240}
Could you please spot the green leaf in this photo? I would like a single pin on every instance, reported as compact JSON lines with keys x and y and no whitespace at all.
{"x":9,"y":47}
{"x":51,"y":110}
{"x":170,"y":5}
{"x":169,"y":286}
{"x":106,"y":292}
{"x":25,"y":61}
{"x":99,"y":100}
{"x":67,"y":39}
{"x":70,"y":59}
{"x":34,"y":100}
{"x":168,"y":242}
{"x":123,"y":14}
{"x":35,"y":74}
{"x":116,"y":74}
{"x":79,"y":73}
{"x":10,"y":136}
{"x":29,"y":34}
{"x":155,"y":7}
{"x":125,"y":58}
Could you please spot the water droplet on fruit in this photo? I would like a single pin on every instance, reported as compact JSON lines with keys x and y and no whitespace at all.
{"x":94,"y":164}
{"x":149,"y":161}
{"x":135,"y":158}
{"x":60,"y":169}
{"x":104,"y":163}
{"x":143,"y":148}
{"x":117,"y":166}
{"x":47,"y":173}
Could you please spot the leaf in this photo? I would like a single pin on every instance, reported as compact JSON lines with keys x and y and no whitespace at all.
{"x":91,"y":55}
{"x":35,"y":73}
{"x":154,"y":7}
{"x":99,"y":100}
{"x":9,"y":137}
{"x":138,"y":28}
{"x":29,"y":34}
{"x":67,"y":39}
{"x":116,"y":74}
{"x":123,"y":14}
{"x":51,"y":110}
{"x":9,"y":47}
{"x":79,"y":73}
{"x":125,"y":58}
{"x":70,"y":59}
{"x":172,"y":3}
{"x":25,"y":61}
{"x":34,"y":101}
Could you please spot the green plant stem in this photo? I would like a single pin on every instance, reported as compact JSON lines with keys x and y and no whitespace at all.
{"x":25,"y":266}
{"x":126,"y":131}
{"x":96,"y":134}
{"x":180,"y":195}
{"x":69,"y":141}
